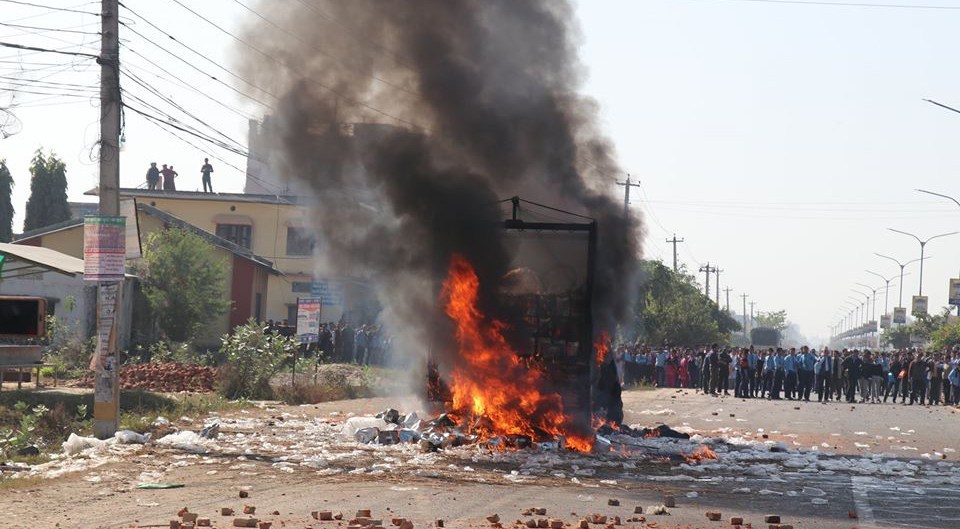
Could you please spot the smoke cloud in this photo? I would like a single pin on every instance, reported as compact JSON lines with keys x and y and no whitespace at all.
{"x":454,"y":105}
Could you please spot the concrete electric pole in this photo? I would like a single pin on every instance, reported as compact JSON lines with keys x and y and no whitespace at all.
{"x":103,"y":250}
{"x":744,"y":296}
{"x":626,"y":194}
{"x":727,"y":291}
{"x":717,"y":270}
{"x":707,"y":270}
{"x":674,"y":241}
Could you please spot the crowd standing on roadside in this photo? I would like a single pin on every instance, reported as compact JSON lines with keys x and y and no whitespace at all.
{"x":342,"y":343}
{"x":913,"y":376}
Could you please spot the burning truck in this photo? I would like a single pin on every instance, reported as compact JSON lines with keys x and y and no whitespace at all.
{"x":505,"y":298}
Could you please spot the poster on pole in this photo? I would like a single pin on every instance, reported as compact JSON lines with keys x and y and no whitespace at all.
{"x":885,"y":321}
{"x":900,"y":315}
{"x":919,"y":305}
{"x":308,"y":319}
{"x":954,"y":292}
{"x":104,"y":248}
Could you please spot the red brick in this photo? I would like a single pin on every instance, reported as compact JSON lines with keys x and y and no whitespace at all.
{"x":245,"y":522}
{"x":771,"y":518}
{"x":174,"y":524}
{"x":493,"y":518}
{"x":189,"y":517}
{"x":203,"y":522}
{"x":226,"y":511}
{"x":713,"y":516}
{"x":249,"y":509}
{"x":736,"y":520}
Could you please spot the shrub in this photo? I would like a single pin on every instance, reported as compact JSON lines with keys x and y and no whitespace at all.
{"x":253,"y":356}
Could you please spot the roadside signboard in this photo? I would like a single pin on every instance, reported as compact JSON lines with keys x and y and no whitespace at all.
{"x":885,"y":321}
{"x":308,"y":319}
{"x":104,"y":248}
{"x":955,"y":292}
{"x":919,"y":305}
{"x":900,"y":315}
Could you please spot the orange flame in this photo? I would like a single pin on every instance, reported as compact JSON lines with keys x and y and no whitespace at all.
{"x":602,"y":346}
{"x":490,"y":383}
{"x":701,"y":453}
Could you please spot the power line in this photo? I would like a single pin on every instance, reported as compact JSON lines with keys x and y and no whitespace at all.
{"x":47,"y":50}
{"x":264,"y":54}
{"x":174,"y":79}
{"x":52,"y":8}
{"x":195,"y":52}
{"x":177,"y":106}
{"x":57,"y":30}
{"x":181,"y":127}
{"x":191,"y":65}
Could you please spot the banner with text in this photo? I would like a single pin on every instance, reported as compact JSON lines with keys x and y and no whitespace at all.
{"x":104,"y":248}
{"x":308,"y":319}
{"x":900,"y":315}
{"x":919,"y":305}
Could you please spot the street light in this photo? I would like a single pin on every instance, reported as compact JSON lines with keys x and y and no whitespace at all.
{"x":923,"y":244}
{"x":886,"y":298}
{"x":948,"y":197}
{"x":866,"y":304}
{"x":902,"y":266}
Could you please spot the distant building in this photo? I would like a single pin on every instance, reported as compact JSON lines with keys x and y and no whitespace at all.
{"x":78,"y":210}
{"x":248,"y":274}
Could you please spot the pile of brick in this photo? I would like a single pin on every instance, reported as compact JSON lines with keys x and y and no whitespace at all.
{"x":167,"y":377}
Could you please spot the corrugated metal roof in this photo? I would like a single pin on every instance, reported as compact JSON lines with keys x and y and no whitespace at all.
{"x":23,"y":260}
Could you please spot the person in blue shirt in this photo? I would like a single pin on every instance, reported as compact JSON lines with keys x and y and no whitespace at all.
{"x":778,"y":374}
{"x":752,"y":360}
{"x":807,"y":360}
{"x":661,"y":365}
{"x":769,"y":373}
{"x":790,"y":374}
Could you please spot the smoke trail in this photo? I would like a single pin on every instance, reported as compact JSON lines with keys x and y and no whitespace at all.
{"x":456,"y":104}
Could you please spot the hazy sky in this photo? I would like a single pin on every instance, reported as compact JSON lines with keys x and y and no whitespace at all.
{"x":779,"y":139}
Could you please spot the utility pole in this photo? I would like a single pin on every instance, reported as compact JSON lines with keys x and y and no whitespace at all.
{"x":674,"y":241}
{"x":707,"y":270}
{"x":626,"y":194}
{"x":105,"y":229}
{"x":744,"y":296}
{"x":752,"y":303}
{"x":727,"y":291}
{"x":717,"y":270}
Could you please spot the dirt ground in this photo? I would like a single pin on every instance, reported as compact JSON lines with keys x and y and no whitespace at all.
{"x":462,"y":492}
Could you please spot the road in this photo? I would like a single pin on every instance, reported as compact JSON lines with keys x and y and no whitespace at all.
{"x":290,"y":460}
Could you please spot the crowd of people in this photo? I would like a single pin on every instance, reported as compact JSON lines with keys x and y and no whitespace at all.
{"x":917,"y":376}
{"x":341,"y":342}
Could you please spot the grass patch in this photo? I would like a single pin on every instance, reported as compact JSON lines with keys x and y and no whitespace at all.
{"x":12,"y":483}
{"x":66,"y":412}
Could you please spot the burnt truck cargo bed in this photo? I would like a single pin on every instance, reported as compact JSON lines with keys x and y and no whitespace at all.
{"x":546,"y":302}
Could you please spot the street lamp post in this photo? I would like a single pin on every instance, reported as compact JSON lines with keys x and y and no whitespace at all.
{"x":886,"y":297}
{"x":948,"y":197}
{"x":873,"y":317}
{"x":902,"y":266}
{"x":923,"y":244}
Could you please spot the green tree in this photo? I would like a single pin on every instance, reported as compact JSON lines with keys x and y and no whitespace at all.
{"x":48,"y":192}
{"x":6,"y":204}
{"x":927,"y":328}
{"x":945,"y":337}
{"x":774,"y":320}
{"x":672,"y":309}
{"x":184,"y":283}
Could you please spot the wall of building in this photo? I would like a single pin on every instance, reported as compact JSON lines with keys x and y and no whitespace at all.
{"x":72,"y":300}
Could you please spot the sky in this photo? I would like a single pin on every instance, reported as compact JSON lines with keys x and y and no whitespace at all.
{"x":780,"y":140}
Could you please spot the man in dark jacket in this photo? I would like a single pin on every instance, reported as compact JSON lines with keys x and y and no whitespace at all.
{"x":851,"y":366}
{"x":895,"y":367}
{"x":918,"y":374}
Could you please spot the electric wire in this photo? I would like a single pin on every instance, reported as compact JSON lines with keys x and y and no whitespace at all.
{"x":193,"y":66}
{"x":51,"y":8}
{"x":330,"y":89}
{"x":57,"y":30}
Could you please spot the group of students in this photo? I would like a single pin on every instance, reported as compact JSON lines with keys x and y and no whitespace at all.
{"x":796,"y":374}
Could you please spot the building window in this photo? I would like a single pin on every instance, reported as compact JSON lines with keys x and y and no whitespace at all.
{"x":238,"y":234}
{"x":300,"y":241}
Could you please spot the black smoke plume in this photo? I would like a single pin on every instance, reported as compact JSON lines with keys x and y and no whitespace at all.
{"x":453,"y":105}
